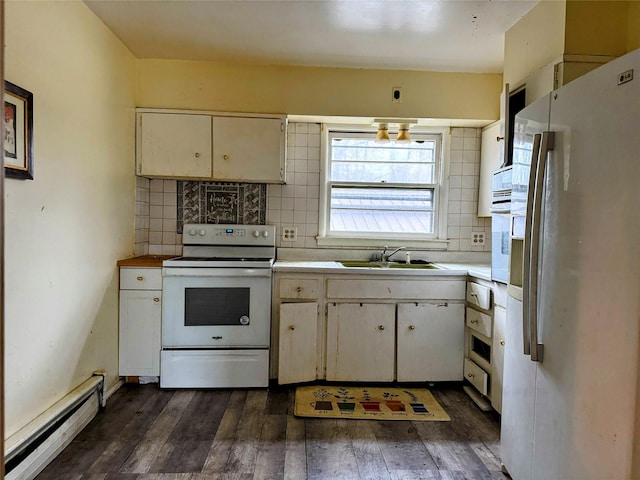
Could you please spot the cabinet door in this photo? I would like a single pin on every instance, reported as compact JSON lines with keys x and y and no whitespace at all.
{"x":497,"y":362}
{"x":360,"y":342}
{"x":174,"y":145}
{"x":297,"y":342}
{"x":489,"y":161}
{"x":249,"y":149}
{"x":430,"y":342}
{"x":139,"y":350}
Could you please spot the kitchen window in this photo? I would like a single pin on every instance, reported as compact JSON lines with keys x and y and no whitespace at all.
{"x":373,"y":192}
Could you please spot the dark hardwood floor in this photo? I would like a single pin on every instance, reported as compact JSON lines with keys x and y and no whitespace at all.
{"x":150,"y":434}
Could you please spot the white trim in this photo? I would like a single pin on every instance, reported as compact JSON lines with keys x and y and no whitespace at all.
{"x":431,"y":244}
{"x":436,"y":241}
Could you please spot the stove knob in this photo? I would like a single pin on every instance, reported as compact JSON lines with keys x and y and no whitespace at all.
{"x":202,"y":232}
{"x":192,"y":232}
{"x":265,"y":234}
{"x":256,"y":233}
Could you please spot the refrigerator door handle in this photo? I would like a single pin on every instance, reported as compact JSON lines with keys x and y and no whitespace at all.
{"x":546,"y":145}
{"x":526,"y":267}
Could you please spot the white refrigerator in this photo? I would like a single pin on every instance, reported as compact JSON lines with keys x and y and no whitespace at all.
{"x":571,"y":398}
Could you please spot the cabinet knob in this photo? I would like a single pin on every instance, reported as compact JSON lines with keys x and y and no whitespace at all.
{"x":474,"y":321}
{"x":140,"y":278}
{"x":298,"y":289}
{"x":292,"y":327}
{"x":502,"y":342}
{"x":470,"y":375}
{"x":499,"y":139}
{"x":380,"y":327}
{"x":226,"y":157}
{"x":197,"y":155}
{"x":156,"y":299}
{"x":412,"y":327}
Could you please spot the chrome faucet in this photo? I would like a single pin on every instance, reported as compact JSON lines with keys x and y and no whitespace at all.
{"x":385,"y":257}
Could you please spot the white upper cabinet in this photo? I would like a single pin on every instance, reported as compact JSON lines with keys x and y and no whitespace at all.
{"x":202,"y":146}
{"x":249,"y":149}
{"x":174,"y":145}
{"x":490,"y":160}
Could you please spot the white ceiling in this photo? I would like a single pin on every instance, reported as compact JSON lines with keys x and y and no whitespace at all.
{"x":429,"y":35}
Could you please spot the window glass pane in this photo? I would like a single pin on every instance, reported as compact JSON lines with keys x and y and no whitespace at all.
{"x":364,"y":160}
{"x":383,"y":210}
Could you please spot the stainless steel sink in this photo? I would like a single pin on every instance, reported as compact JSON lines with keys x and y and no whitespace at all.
{"x":368,"y":264}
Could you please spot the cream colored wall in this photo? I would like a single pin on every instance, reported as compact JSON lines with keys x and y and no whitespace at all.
{"x":534,"y":41}
{"x":316,"y":91}
{"x":633,"y":26}
{"x":556,"y":28}
{"x":66,"y":229}
{"x":596,"y":28}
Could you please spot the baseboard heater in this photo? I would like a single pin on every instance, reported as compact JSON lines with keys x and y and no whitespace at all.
{"x":33,"y":447}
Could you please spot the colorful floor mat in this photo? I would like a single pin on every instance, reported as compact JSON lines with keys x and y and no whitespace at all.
{"x":368,"y":403}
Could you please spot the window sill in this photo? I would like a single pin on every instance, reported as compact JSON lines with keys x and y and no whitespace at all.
{"x":430,"y":244}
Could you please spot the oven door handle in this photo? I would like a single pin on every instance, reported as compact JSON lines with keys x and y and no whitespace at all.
{"x":216,"y":272}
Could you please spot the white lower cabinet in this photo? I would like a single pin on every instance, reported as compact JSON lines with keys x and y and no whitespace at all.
{"x":499,"y":326}
{"x":364,"y":328}
{"x":298,"y":340}
{"x":140,"y":316}
{"x":360,"y":342}
{"x":430,"y":342}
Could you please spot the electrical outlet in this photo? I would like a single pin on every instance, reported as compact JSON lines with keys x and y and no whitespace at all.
{"x":289,"y":234}
{"x":396,"y":94}
{"x":477,"y":238}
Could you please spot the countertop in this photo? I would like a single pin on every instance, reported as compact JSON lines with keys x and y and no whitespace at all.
{"x":445,"y":269}
{"x":149,"y":261}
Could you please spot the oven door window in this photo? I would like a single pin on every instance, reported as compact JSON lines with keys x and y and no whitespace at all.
{"x":216,"y":306}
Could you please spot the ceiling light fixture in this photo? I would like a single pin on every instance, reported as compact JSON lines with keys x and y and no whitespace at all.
{"x":403,"y":134}
{"x":403,"y":125}
{"x":383,"y":133}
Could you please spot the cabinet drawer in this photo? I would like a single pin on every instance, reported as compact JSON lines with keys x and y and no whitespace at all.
{"x":395,"y":289}
{"x":304,"y":288}
{"x":479,"y":295}
{"x":140,"y":278}
{"x":476,"y":376}
{"x":478,"y":321}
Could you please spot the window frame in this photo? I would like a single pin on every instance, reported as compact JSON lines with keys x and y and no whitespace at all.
{"x":435,"y":241}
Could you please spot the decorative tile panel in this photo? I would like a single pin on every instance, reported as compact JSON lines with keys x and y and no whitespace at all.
{"x":223,"y":203}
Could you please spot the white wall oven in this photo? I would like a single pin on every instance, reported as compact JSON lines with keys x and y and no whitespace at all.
{"x":216,"y":308}
{"x":501,"y":189}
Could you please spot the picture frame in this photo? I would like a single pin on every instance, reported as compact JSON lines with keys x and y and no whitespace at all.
{"x":18,"y":132}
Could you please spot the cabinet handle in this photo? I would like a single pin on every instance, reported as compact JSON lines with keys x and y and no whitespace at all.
{"x":140,"y":278}
{"x":474,"y":321}
{"x":380,"y":327}
{"x":225,"y":157}
{"x":197,"y":155}
{"x":292,"y":327}
{"x":502,"y":342}
{"x":217,"y":338}
{"x":412,"y":327}
{"x":156,"y":299}
{"x":473,"y":294}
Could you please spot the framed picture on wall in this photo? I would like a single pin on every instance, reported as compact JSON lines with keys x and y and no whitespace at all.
{"x":18,"y":132}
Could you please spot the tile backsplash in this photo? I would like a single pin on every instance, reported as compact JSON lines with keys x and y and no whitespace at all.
{"x":216,"y":202}
{"x":162,"y":206}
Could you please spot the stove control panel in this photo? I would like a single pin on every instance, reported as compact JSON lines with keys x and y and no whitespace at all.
{"x":210,"y":234}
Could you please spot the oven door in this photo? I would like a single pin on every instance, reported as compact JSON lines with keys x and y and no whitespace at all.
{"x":500,"y":242}
{"x":216,"y":307}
